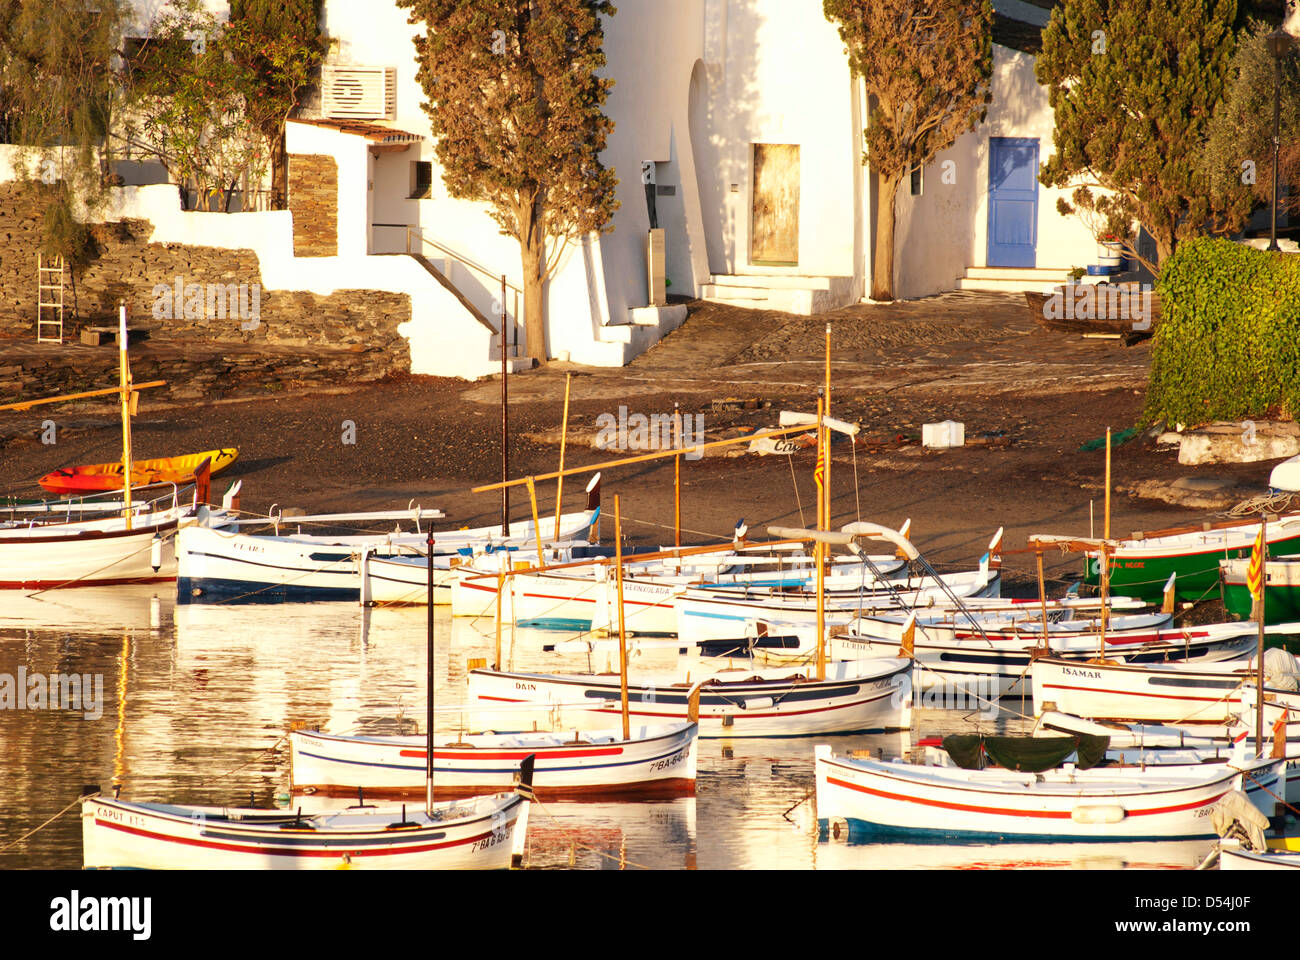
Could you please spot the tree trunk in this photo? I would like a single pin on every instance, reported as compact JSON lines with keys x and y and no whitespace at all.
{"x":279,"y":172}
{"x":533,"y":256}
{"x":882,"y":271}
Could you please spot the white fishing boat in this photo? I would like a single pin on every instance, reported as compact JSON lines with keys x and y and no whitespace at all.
{"x":1190,"y":692}
{"x":998,"y":612}
{"x":658,"y":762}
{"x":226,"y":565}
{"x":870,"y":797}
{"x":707,"y":615}
{"x":92,"y":553}
{"x":403,"y":579}
{"x":584,"y":597}
{"x":854,"y":697}
{"x":1234,"y":856}
{"x":479,"y":833}
{"x":999,"y":657}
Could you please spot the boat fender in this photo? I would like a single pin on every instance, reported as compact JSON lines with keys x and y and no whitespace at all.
{"x":1098,"y":813}
{"x":155,"y":552}
{"x":838,"y":828}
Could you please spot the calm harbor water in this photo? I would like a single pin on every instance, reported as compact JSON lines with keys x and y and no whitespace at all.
{"x":196,"y":701}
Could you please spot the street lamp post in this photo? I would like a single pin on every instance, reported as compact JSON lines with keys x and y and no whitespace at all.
{"x":1279,"y":46}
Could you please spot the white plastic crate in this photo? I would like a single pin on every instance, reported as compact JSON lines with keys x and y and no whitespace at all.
{"x":950,"y":433}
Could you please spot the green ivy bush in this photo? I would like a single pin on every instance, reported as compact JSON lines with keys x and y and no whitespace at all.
{"x":1228,"y":346}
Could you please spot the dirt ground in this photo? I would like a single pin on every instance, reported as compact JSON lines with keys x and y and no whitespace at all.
{"x":1032,"y":395}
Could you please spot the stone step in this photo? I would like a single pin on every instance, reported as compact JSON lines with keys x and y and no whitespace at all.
{"x":1037,"y":274}
{"x":713,"y":291}
{"x":1012,"y":284}
{"x":773,"y":282}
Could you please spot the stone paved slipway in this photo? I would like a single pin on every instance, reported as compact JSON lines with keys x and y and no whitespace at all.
{"x":967,"y":341}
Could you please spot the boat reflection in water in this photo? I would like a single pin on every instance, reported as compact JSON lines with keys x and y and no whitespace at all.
{"x":132,"y":606}
{"x":953,"y":855}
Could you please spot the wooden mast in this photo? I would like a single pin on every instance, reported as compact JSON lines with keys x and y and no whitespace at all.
{"x":1259,"y":646}
{"x":622,"y":628}
{"x":505,"y":431}
{"x":428,"y":719}
{"x":826,"y":510}
{"x":677,"y":476}
{"x":564,"y":437}
{"x":125,"y":377}
{"x":1105,"y":559}
{"x":537,"y":527}
{"x":819,"y":549}
{"x":1042,"y":598}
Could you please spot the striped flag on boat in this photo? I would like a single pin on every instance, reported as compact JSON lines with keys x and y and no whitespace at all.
{"x":819,"y":472}
{"x":1255,"y":572}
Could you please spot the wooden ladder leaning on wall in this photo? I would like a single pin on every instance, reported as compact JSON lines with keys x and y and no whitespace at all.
{"x":49,"y":299}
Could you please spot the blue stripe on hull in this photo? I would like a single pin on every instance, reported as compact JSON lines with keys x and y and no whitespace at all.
{"x":204,"y":590}
{"x":554,"y":623}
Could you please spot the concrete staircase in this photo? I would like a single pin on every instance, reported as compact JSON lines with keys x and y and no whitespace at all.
{"x":790,"y":294}
{"x":1012,"y":279}
{"x":471,"y":348}
{"x":621,"y":343}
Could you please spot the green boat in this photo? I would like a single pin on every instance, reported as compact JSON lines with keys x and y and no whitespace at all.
{"x":1140,"y":567}
{"x":1281,"y":590}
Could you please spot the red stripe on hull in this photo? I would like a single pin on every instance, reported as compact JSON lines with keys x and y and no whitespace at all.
{"x":253,"y":848}
{"x":647,"y":790}
{"x":72,"y":584}
{"x":542,"y":754}
{"x":1012,"y":812}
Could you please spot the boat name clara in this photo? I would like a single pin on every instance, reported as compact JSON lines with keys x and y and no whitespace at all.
{"x":58,"y":691}
{"x":132,"y":914}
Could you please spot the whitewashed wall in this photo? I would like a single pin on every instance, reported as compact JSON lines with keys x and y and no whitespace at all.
{"x":943,"y":232}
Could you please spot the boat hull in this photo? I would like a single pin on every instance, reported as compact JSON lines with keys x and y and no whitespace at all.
{"x":1142,"y":570}
{"x":1002,"y":664}
{"x":875,"y":798}
{"x":108,"y":476}
{"x":703,"y":615}
{"x":1281,"y":590}
{"x":657,"y":763}
{"x":1195,"y":694}
{"x":116,"y":834}
{"x":53,"y":559}
{"x":860,"y":697}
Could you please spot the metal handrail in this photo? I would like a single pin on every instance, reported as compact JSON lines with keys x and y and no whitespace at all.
{"x":494,"y":277}
{"x":479,"y":268}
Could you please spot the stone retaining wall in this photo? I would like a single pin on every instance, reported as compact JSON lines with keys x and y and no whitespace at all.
{"x":220,"y":300}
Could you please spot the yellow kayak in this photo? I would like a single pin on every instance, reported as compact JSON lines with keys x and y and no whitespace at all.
{"x":108,"y":476}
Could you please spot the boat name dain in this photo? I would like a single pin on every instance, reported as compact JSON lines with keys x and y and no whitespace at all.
{"x":657,"y":431}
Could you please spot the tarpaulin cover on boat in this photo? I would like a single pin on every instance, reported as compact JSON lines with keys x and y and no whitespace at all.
{"x":1026,"y":754}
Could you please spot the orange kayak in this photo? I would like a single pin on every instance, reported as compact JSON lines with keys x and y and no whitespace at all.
{"x":108,"y":476}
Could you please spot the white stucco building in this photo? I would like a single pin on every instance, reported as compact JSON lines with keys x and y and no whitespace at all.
{"x":745,"y":114}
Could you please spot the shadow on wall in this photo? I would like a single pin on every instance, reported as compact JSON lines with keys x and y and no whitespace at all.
{"x":724,"y":99}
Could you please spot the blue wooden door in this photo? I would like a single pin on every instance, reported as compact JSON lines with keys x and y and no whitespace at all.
{"x":1013,"y":202}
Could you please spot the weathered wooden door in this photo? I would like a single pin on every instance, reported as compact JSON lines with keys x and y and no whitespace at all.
{"x":774,"y":229}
